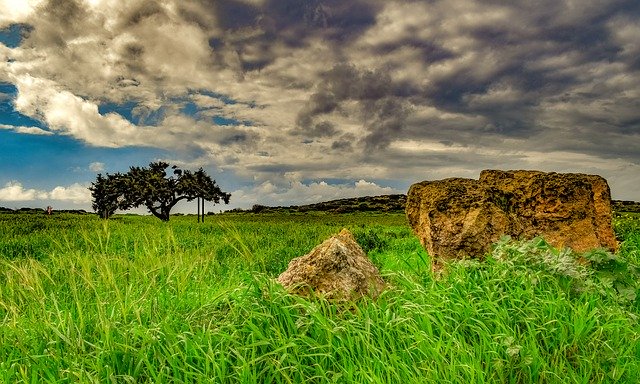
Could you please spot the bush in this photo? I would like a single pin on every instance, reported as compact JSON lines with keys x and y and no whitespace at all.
{"x":611,"y":275}
{"x":370,"y":240}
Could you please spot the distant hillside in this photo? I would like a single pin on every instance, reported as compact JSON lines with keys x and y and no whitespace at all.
{"x":625,"y":206}
{"x":384,"y":203}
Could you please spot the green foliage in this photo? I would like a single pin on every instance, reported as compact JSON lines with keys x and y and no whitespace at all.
{"x":136,"y":300}
{"x":612,"y":275}
{"x":539,"y":256}
{"x":154,"y":189}
{"x":107,"y":194}
{"x":370,"y":239}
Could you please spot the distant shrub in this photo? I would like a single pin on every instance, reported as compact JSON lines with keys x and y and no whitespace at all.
{"x":257,"y":208}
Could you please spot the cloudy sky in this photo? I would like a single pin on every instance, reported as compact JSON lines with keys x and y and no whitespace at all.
{"x":298,"y":101}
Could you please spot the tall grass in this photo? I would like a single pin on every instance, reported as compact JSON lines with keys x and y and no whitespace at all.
{"x":134,"y":300}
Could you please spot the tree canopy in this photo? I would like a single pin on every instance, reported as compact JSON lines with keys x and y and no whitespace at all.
{"x":154,"y":188}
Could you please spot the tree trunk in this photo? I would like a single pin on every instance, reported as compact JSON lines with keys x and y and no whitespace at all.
{"x":165,"y":213}
{"x":162,"y":212}
{"x":162,"y":215}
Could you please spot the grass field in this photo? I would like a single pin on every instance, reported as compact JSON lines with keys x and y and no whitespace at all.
{"x":136,"y":300}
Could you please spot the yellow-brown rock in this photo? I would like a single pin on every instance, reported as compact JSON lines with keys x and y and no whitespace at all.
{"x":336,"y":269}
{"x":457,"y":218}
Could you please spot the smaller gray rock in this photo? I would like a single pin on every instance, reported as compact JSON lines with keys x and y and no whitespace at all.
{"x":336,"y":269}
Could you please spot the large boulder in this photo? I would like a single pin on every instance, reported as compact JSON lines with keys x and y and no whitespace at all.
{"x":336,"y":269}
{"x":457,"y":218}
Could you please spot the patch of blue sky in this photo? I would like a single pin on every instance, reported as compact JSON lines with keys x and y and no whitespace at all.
{"x":125,"y":110}
{"x":8,"y":89}
{"x":220,"y":120}
{"x":42,"y":161}
{"x":12,"y":35}
{"x":190,"y":109}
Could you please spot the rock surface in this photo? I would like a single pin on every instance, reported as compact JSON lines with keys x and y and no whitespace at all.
{"x":336,"y":269}
{"x":457,"y":218}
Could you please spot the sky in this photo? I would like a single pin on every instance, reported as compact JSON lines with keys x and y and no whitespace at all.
{"x":298,"y":101}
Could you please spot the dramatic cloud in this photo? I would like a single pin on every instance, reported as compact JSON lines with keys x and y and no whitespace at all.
{"x":379,"y":102}
{"x":389,"y":90}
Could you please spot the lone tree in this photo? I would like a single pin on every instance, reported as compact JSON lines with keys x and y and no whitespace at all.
{"x":154,"y":189}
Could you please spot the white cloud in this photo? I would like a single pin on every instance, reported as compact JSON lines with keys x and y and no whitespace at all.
{"x":71,"y":115}
{"x":96,"y":167}
{"x":26,"y":130}
{"x":16,"y":11}
{"x":75,"y":193}
{"x":15,"y":191}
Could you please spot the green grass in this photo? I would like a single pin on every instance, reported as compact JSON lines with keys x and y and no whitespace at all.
{"x":135,"y":300}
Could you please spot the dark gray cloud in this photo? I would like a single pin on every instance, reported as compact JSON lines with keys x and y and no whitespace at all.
{"x":507,"y":54}
{"x":294,"y":20}
{"x":430,"y":51}
{"x":322,"y":129}
{"x":549,"y":69}
{"x":237,"y":137}
{"x":341,"y":145}
{"x":381,"y":103}
{"x":233,"y":14}
{"x":250,"y":30}
{"x":384,"y":120}
{"x":508,"y":72}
